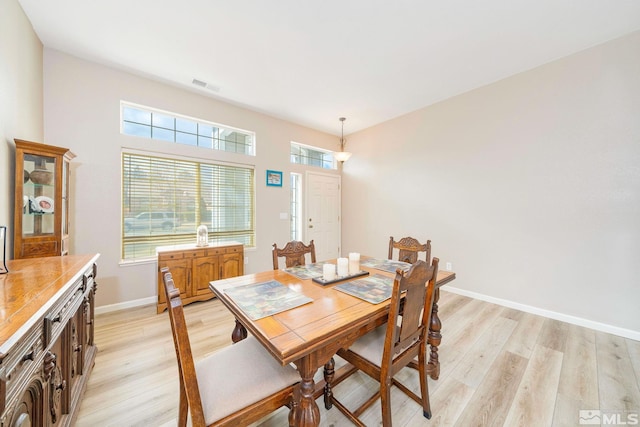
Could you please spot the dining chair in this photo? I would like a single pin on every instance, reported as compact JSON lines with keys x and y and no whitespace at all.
{"x":408,"y":249}
{"x":294,"y":253}
{"x":383,"y":352}
{"x":236,"y":385}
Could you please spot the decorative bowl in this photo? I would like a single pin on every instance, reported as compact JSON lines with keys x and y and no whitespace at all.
{"x":41,"y":176}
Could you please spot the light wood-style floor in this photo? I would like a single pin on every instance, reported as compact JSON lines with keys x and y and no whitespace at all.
{"x":499,"y":367}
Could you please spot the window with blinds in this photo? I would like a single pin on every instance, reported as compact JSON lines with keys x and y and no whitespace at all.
{"x":164,"y":200}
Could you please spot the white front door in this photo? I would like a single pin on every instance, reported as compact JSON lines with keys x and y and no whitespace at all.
{"x":322,"y":220}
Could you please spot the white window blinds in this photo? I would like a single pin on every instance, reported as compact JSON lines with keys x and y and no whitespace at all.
{"x":164,"y":200}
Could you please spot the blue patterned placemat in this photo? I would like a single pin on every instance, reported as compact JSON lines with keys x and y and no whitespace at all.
{"x":386,"y":264}
{"x":373,"y":289}
{"x":265,"y":299}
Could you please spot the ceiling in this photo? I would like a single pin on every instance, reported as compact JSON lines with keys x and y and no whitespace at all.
{"x":311,"y":62}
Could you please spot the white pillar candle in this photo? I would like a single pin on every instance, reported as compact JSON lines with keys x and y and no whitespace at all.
{"x":328,"y":272}
{"x":343,"y":267}
{"x":354,"y":263}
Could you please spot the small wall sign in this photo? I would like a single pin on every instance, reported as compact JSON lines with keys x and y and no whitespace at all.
{"x":274,"y":178}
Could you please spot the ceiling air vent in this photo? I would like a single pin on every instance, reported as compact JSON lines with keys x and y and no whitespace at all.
{"x":205,"y":85}
{"x":199,"y":83}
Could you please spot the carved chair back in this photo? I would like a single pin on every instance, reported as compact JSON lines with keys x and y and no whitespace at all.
{"x":189,"y":392}
{"x":385,"y":351}
{"x":409,"y":315}
{"x":294,"y":253}
{"x":408,"y":249}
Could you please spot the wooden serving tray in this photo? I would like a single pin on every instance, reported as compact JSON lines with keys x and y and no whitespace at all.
{"x":340,"y":278}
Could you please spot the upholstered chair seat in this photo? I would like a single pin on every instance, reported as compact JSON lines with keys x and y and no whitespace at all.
{"x":243,"y":363}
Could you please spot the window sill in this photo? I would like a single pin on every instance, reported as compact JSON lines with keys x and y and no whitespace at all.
{"x":141,"y":261}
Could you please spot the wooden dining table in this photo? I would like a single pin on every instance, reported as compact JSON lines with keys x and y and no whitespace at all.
{"x":309,"y":335}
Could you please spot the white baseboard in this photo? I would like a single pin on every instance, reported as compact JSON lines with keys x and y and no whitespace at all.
{"x":127,"y":304}
{"x":603,"y":327}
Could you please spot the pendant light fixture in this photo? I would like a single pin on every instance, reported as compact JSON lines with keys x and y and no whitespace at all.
{"x":342,"y":156}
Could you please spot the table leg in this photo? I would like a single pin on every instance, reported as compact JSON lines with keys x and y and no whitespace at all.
{"x":329,"y":371}
{"x":433,"y":367}
{"x":239,"y":332}
{"x":307,"y":413}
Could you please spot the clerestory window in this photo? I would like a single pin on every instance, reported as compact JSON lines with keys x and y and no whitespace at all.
{"x":155,"y":124}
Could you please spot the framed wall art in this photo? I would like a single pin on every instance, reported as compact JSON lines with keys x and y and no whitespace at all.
{"x":274,"y":178}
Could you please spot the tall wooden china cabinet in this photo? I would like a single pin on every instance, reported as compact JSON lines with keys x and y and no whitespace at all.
{"x":42,"y":202}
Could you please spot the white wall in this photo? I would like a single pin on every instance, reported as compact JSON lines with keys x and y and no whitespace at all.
{"x":20,"y":99}
{"x":529,"y":186}
{"x":82,"y":112}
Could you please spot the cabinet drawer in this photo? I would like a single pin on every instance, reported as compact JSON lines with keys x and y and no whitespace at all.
{"x":169,"y":256}
{"x":195,"y":254}
{"x":56,"y":319}
{"x":233,"y":250}
{"x":87,"y":278}
{"x":215,"y":251}
{"x":20,"y":363}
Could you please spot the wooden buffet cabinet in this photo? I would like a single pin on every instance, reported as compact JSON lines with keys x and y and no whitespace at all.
{"x":46,"y":339}
{"x":194,"y":267}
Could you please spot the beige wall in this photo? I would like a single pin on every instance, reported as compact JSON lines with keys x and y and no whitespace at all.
{"x":530,"y":187}
{"x":82,"y":101}
{"x":20,"y":98}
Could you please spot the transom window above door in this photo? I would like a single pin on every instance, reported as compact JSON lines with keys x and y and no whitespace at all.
{"x":312,"y":156}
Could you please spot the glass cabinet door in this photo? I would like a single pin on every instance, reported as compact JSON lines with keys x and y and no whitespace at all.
{"x":39,"y":193}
